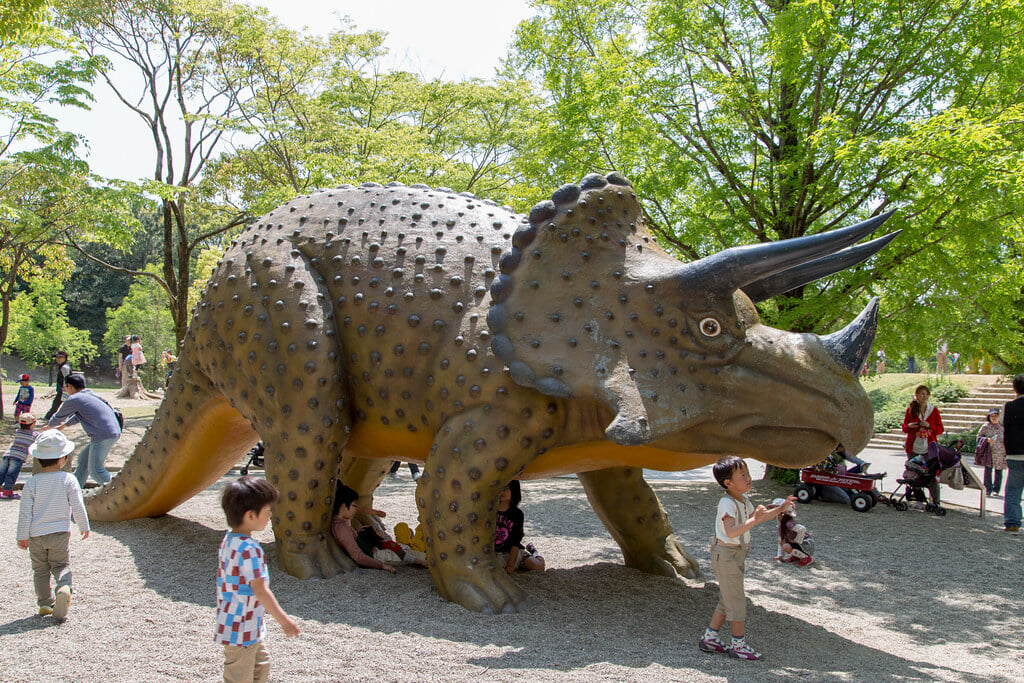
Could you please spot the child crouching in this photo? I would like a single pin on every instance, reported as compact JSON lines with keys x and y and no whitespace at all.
{"x":243,"y":595}
{"x":735,"y":518}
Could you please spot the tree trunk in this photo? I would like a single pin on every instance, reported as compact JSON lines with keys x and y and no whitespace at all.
{"x":131,"y":387}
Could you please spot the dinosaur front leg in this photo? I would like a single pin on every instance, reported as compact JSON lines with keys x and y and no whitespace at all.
{"x":633,"y":515}
{"x":474,"y":456}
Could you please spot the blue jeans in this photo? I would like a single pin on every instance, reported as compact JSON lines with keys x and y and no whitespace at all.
{"x":10,"y":468}
{"x":91,"y":459}
{"x":1014,"y":487}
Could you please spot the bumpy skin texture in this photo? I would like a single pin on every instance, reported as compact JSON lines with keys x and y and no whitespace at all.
{"x":361,"y":325}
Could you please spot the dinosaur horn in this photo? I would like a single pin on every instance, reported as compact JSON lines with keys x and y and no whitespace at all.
{"x":791,"y":278}
{"x":851,"y":345}
{"x":735,"y":267}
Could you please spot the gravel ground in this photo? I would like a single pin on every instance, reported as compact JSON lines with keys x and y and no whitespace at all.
{"x":890,"y":596}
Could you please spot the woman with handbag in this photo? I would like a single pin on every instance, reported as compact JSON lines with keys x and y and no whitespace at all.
{"x":922,"y":423}
{"x":990,"y":452}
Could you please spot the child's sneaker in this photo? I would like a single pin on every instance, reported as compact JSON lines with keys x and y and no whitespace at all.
{"x":803,"y":562}
{"x":710,"y":644}
{"x":60,"y":607}
{"x":14,"y":496}
{"x":743,"y":651}
{"x":45,"y":611}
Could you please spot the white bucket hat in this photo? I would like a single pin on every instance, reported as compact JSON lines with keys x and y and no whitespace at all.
{"x":50,"y":445}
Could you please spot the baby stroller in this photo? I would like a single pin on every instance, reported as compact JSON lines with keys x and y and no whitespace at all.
{"x":255,"y":458}
{"x":922,"y":472}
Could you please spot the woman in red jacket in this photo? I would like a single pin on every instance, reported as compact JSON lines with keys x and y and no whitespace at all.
{"x":922,"y":423}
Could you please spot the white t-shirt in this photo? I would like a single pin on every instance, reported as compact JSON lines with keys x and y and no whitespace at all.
{"x":727,"y":505}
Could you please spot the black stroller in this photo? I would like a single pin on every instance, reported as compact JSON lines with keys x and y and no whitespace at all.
{"x":255,"y":458}
{"x":922,"y":472}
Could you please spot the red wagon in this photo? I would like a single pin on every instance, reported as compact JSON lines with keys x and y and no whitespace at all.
{"x":863,"y":500}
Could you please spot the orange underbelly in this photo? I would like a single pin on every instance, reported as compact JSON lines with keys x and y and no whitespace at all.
{"x":599,"y":455}
{"x":394,"y":444}
{"x":388,"y":444}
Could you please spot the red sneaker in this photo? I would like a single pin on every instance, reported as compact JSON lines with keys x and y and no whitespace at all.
{"x":804,"y":561}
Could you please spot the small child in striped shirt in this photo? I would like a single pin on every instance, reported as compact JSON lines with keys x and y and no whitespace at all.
{"x":17,"y":454}
{"x":49,"y":503}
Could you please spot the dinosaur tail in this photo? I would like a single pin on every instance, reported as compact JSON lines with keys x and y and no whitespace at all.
{"x":195,"y":437}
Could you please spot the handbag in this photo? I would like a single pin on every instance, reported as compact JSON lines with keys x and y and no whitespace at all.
{"x":953,"y":477}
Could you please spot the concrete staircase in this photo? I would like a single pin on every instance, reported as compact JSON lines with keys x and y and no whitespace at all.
{"x":956,"y":417}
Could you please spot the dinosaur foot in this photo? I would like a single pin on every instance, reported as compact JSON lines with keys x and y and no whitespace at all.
{"x":312,"y":556}
{"x":671,"y":560}
{"x":484,"y":591}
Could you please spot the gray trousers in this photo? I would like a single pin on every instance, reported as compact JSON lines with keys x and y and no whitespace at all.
{"x":49,"y":555}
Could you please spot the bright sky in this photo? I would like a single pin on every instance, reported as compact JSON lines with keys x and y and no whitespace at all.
{"x":450,"y":39}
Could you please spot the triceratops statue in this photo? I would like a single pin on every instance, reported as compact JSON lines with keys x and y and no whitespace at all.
{"x":362,"y":325}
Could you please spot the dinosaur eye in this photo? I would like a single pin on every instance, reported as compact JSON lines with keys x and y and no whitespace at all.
{"x":710,"y":327}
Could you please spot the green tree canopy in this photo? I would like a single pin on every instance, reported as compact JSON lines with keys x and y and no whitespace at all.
{"x":39,"y":326}
{"x":316,"y":112}
{"x":749,"y":121}
{"x":166,"y":51}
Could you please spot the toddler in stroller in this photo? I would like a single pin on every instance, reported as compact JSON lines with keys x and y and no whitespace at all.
{"x":922,"y":472}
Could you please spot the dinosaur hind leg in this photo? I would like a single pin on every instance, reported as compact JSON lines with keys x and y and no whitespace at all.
{"x":633,"y":515}
{"x":195,"y":437}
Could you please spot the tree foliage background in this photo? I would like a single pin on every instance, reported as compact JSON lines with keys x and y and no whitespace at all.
{"x":748,"y":121}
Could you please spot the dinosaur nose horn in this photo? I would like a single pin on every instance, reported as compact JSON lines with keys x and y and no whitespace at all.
{"x":851,"y":345}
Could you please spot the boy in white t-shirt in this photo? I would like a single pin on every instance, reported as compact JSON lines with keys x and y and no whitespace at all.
{"x":735,"y":518}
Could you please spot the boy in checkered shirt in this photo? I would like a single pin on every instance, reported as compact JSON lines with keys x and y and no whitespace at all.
{"x":242,"y":591}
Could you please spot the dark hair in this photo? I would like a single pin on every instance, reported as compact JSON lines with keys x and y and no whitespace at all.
{"x":136,"y":338}
{"x":343,"y":495}
{"x":47,"y":462}
{"x":75,"y":380}
{"x":517,"y":493}
{"x":61,"y":353}
{"x":1018,"y":383}
{"x":725,"y":467}
{"x":914,"y":405}
{"x":245,"y":494}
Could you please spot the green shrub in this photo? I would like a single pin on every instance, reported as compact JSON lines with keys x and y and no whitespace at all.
{"x":782,"y":475}
{"x":890,"y":417}
{"x":949,"y":392}
{"x":970,"y":438}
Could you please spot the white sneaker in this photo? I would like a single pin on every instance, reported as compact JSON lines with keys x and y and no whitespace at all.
{"x":62,"y":603}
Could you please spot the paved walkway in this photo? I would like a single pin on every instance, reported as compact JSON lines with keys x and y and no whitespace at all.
{"x":885,"y":460}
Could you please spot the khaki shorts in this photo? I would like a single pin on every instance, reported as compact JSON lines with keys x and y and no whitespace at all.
{"x":728,"y":563}
{"x":246,"y":663}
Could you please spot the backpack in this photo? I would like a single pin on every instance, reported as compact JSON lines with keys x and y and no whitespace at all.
{"x":117,"y":413}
